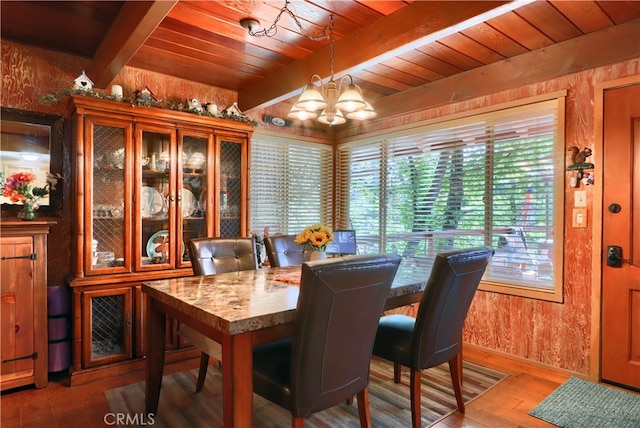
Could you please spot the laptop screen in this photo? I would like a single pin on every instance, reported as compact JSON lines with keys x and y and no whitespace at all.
{"x":344,"y":242}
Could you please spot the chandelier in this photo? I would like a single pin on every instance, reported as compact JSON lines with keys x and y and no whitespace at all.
{"x":331,"y":103}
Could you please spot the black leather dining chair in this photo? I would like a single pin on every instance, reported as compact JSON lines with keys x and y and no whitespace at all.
{"x":282,"y":250}
{"x":435,"y":335}
{"x":328,"y":358}
{"x":210,"y":256}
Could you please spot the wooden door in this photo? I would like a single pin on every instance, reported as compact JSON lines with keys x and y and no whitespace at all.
{"x":621,"y":228}
{"x":17,"y":321}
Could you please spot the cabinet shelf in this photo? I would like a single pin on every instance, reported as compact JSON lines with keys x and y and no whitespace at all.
{"x":154,"y":173}
{"x":155,"y":219}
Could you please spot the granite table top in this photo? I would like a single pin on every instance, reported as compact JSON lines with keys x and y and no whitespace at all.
{"x":238,"y":302}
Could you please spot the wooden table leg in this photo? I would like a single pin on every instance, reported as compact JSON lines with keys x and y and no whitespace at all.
{"x":237,"y":380}
{"x":154,"y":333}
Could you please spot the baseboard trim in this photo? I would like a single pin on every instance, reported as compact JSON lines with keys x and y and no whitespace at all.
{"x":526,"y":361}
{"x":126,"y":367}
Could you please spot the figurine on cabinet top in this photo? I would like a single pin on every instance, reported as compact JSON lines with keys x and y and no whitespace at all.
{"x":194,"y":104}
{"x":232,"y":110}
{"x":144,"y":94}
{"x":83,"y":83}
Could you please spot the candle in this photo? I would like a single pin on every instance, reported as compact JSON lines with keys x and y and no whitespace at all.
{"x":116,"y":91}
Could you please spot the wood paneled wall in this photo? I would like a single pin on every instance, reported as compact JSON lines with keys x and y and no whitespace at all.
{"x":554,"y":334}
{"x":29,"y":72}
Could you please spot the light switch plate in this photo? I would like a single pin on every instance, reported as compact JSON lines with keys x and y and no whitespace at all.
{"x":580,"y":198}
{"x":579,"y":217}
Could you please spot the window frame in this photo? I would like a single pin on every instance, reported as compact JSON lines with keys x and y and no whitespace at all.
{"x":324,"y":190}
{"x":555,"y":292}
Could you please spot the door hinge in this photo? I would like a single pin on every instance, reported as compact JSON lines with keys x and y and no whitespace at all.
{"x":25,"y":357}
{"x":33,"y":256}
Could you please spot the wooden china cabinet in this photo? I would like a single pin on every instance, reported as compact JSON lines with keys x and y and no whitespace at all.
{"x":146,"y":181}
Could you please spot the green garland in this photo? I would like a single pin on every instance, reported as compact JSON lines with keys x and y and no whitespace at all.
{"x":48,"y":99}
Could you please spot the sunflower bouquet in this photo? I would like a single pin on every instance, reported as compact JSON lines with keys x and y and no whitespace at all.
{"x":315,"y":237}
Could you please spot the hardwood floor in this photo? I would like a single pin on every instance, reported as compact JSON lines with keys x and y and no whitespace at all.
{"x":506,"y":405}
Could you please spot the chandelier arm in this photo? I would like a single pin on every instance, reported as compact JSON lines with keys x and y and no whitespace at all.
{"x":350,"y":82}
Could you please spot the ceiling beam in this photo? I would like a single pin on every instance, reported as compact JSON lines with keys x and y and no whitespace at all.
{"x":132,"y":27}
{"x":393,"y":35}
{"x":590,"y":51}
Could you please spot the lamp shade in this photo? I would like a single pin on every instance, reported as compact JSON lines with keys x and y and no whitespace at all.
{"x":329,"y":118}
{"x":363,"y":114}
{"x":350,"y":99}
{"x":311,"y":99}
{"x":301,"y":114}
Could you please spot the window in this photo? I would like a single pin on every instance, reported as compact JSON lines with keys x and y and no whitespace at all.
{"x":490,"y":179}
{"x":291,"y":184}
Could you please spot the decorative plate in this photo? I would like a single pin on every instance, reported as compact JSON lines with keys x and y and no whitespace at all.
{"x":158,"y":245}
{"x":278,"y":121}
{"x":151,"y":202}
{"x":188,"y":203}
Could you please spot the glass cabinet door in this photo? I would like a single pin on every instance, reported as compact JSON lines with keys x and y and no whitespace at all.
{"x":156,"y":198}
{"x":108,"y":189}
{"x":231,"y":189}
{"x":196,"y":172}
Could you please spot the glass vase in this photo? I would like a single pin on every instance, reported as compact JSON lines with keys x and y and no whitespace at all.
{"x":28,"y":211}
{"x":311,"y":255}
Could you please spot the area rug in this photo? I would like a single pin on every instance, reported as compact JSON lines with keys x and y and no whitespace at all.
{"x":389,"y":403}
{"x":583,"y":404}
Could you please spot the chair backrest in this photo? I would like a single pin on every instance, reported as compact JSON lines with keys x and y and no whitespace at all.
{"x":282,"y":250}
{"x":218,"y":255}
{"x":339,"y":306}
{"x":444,"y":305}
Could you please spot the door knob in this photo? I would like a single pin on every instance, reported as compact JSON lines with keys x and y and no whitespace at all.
{"x":614,"y":256}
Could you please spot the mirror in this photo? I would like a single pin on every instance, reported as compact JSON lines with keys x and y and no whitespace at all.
{"x":31,"y":142}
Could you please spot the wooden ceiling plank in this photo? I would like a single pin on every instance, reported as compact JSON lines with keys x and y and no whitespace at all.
{"x":621,"y":11}
{"x":551,"y":22}
{"x":167,"y":49}
{"x":413,"y":69}
{"x":25,"y":21}
{"x":206,"y":41}
{"x":452,"y":56}
{"x":396,"y":80}
{"x":383,"y":7}
{"x":589,"y":51}
{"x":427,"y":61}
{"x":587,"y":16}
{"x":471,"y":48}
{"x":131,"y":28}
{"x":196,"y":70}
{"x":387,"y":37}
{"x":494,"y":40}
{"x":224,"y":23}
{"x":518,"y":29}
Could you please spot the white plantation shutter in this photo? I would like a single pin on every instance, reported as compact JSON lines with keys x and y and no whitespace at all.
{"x":491,"y":179}
{"x":291,"y":184}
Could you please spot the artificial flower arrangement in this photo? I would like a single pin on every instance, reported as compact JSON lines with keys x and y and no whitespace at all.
{"x":19,"y":187}
{"x":315,"y":237}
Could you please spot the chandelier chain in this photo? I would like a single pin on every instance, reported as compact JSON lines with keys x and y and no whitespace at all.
{"x":273,"y":28}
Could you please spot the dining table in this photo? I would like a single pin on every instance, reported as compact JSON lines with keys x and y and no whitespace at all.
{"x":239,"y":310}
